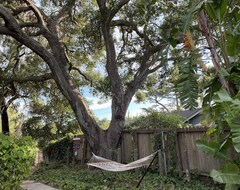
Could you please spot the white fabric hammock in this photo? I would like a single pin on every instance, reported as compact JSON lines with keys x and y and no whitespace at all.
{"x":109,"y":165}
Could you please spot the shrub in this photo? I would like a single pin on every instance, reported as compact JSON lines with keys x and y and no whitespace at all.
{"x":155,"y":120}
{"x":17,"y":155}
{"x":58,"y":150}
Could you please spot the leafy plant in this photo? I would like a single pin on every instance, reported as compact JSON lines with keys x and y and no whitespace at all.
{"x":58,"y":150}
{"x":186,"y":85}
{"x":17,"y":155}
{"x":155,"y":120}
{"x":222,"y":100}
{"x":69,"y":178}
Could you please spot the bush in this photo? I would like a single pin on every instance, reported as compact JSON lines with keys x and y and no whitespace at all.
{"x":17,"y":155}
{"x":58,"y":150}
{"x":155,"y":120}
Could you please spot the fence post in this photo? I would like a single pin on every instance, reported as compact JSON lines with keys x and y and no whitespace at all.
{"x":160,"y":163}
{"x":164,"y":153}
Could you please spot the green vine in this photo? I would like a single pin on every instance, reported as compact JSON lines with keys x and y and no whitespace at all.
{"x":60,"y":150}
{"x":168,"y":138}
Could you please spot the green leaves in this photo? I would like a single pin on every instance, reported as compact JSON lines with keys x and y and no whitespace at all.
{"x":222,"y":96}
{"x":234,"y":124}
{"x":186,"y":85}
{"x":187,"y":19}
{"x":233,"y":44}
{"x":155,"y":119}
{"x":217,"y":9}
{"x":211,"y":148}
{"x":229,"y":174}
{"x":232,"y":114}
{"x":236,"y":138}
{"x":16,"y":158}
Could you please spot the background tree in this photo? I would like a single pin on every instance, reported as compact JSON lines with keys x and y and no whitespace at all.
{"x":50,"y":119}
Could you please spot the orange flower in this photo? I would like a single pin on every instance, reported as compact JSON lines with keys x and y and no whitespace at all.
{"x":188,"y":42}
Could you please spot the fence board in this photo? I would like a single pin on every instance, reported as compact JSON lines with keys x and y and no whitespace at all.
{"x":145,"y":145}
{"x":127,"y":148}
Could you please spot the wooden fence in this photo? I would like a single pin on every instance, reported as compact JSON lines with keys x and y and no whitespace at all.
{"x":175,"y":146}
{"x":178,"y":146}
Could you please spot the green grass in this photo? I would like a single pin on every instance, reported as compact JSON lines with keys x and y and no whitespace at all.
{"x":76,"y":178}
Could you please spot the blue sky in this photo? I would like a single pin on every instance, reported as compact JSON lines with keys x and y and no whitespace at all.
{"x":103,"y":111}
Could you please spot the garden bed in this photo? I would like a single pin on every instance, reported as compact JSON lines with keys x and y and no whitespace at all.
{"x":69,"y":178}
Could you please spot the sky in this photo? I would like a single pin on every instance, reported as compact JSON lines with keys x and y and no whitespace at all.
{"x":103,"y":111}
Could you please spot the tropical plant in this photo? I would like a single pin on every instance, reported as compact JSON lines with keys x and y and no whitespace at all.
{"x":219,"y":23}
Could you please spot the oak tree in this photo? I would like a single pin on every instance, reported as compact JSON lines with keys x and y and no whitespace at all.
{"x":126,"y":38}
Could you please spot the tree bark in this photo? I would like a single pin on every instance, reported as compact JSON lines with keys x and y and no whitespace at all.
{"x":5,"y":120}
{"x":204,"y":26}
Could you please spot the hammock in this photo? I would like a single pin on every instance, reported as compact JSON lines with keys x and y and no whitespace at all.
{"x":109,"y":165}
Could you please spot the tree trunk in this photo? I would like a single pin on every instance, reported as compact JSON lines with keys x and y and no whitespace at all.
{"x":5,"y":120}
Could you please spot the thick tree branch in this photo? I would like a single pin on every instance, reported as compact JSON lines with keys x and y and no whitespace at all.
{"x":58,"y":63}
{"x":37,"y":13}
{"x":143,"y":70}
{"x":132,"y":26}
{"x":21,"y":80}
{"x":29,"y":24}
{"x":101,"y":4}
{"x":10,"y":22}
{"x":64,"y":11}
{"x":13,"y":29}
{"x":20,"y":10}
{"x":117,"y":7}
{"x":4,"y":30}
{"x":111,"y":64}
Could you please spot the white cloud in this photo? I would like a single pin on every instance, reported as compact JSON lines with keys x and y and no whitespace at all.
{"x":96,"y":106}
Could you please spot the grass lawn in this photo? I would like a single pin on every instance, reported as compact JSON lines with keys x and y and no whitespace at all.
{"x":76,"y":178}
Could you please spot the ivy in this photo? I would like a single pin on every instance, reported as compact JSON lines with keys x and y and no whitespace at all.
{"x":70,"y":178}
{"x":169,"y":149}
{"x":58,"y":150}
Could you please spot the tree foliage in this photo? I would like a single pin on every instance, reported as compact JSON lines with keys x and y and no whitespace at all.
{"x":154,"y":120}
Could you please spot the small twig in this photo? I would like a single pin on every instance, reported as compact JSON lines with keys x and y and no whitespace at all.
{"x":82,"y":74}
